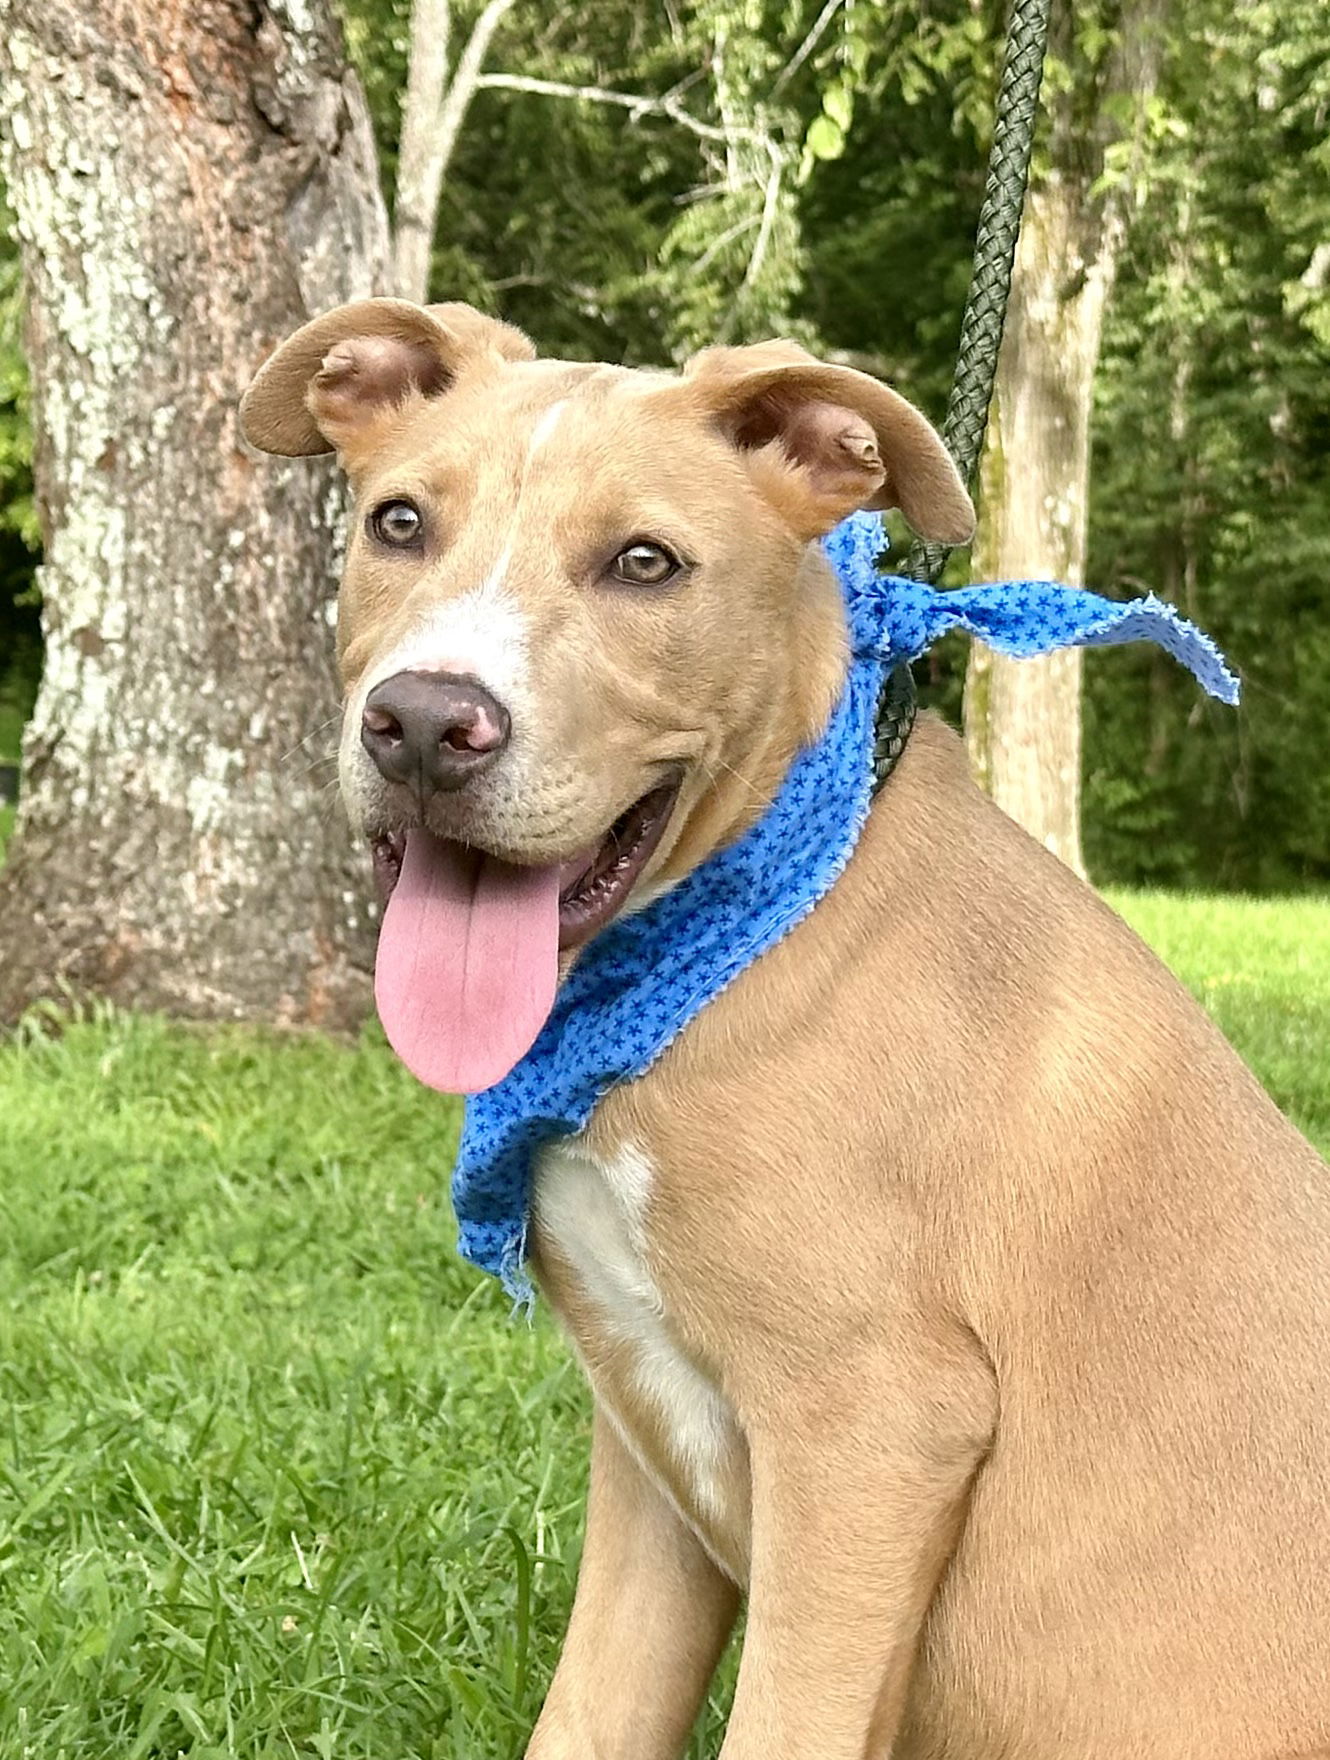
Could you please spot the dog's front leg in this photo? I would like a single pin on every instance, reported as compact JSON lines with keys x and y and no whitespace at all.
{"x":649,"y":1621}
{"x":859,"y":1493}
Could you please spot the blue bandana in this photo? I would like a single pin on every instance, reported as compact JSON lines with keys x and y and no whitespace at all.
{"x":645,"y":976}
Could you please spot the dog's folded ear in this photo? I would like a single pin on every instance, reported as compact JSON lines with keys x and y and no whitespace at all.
{"x":822,"y":441}
{"x":329,"y":384}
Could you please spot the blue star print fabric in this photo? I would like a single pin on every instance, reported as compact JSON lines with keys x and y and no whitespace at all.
{"x":645,"y":976}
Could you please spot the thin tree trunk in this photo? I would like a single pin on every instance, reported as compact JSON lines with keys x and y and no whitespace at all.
{"x":432,"y":119}
{"x":1023,"y":717}
{"x":190,"y":184}
{"x":419,"y":168}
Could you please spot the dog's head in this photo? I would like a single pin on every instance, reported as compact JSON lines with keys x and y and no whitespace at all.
{"x":582,"y":628}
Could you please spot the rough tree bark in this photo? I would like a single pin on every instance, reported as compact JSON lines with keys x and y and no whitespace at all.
{"x":190,"y":183}
{"x":1023,"y":717}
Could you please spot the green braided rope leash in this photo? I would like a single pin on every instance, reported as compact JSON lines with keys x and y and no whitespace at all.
{"x":896,"y":709}
{"x":982,"y":324}
{"x":994,"y":256}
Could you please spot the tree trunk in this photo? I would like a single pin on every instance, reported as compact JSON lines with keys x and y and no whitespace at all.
{"x":419,"y":170}
{"x":1023,"y":717}
{"x":432,"y":119}
{"x":190,"y":184}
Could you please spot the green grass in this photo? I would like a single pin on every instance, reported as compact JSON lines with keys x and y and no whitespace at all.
{"x":7,"y":812}
{"x":14,"y":713}
{"x":278,"y":1475}
{"x":1261,"y":968}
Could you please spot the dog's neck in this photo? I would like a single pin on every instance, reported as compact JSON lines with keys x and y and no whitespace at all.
{"x":648,"y":974}
{"x":804,"y":678}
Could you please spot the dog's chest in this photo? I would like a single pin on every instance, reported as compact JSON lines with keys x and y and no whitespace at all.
{"x":591,"y":1219}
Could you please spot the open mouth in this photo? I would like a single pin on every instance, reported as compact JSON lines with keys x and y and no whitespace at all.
{"x":596,"y":890}
{"x":468,"y":962}
{"x":593,"y":886}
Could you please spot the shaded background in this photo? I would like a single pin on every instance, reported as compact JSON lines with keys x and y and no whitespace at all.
{"x":1212,"y":419}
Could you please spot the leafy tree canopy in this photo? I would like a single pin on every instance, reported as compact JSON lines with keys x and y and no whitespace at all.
{"x":820,"y":176}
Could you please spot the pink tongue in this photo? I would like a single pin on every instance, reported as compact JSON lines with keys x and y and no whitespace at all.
{"x":467,"y":964}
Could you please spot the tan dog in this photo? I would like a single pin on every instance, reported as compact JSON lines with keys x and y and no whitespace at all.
{"x":950,"y":1289}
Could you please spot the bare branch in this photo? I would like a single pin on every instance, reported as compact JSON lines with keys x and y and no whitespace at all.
{"x":731,"y":233}
{"x":431,"y":121}
{"x":770,"y":204}
{"x":770,"y":208}
{"x":467,"y":79}
{"x":805,"y":49}
{"x":638,"y":104}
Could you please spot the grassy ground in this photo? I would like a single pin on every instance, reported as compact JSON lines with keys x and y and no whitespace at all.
{"x":279,"y":1476}
{"x":6,"y":826}
{"x":1262,"y":970}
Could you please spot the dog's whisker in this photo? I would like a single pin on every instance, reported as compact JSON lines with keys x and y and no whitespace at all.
{"x":318,"y":764}
{"x":313,"y":733}
{"x":753,"y":789}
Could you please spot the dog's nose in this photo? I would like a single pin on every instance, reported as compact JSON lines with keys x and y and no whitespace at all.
{"x":433,"y":730}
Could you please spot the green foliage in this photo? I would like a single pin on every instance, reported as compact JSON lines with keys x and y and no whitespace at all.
{"x":280,"y":1477}
{"x":731,"y":262}
{"x":838,"y":205}
{"x":1212,"y":468}
{"x":889,"y":223}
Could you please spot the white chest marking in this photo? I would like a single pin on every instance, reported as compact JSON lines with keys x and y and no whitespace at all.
{"x":593,"y":1214}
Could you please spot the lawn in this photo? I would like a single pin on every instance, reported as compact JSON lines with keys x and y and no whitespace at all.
{"x":1262,"y":970}
{"x":278,"y":1475}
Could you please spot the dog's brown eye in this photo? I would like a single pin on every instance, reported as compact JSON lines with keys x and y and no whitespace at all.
{"x":645,"y":565}
{"x":397,"y":523}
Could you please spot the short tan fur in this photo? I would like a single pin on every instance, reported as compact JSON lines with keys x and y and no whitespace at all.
{"x":949,"y":1289}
